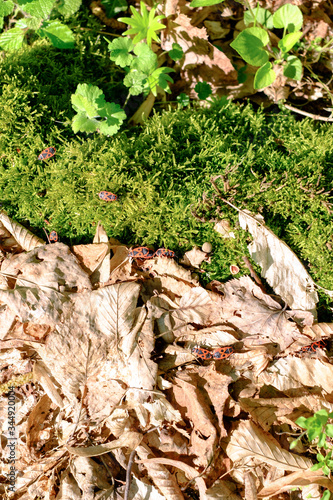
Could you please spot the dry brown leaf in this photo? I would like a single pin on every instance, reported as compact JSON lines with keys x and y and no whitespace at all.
{"x":160,"y":475}
{"x":48,"y":266}
{"x":221,"y":491}
{"x":36,"y":423}
{"x":291,"y":373}
{"x":47,"y":382}
{"x":128,"y":439}
{"x":22,"y":236}
{"x":248,"y":440}
{"x":248,"y":309}
{"x":194,"y":257}
{"x":193,"y":406}
{"x":91,"y":256}
{"x":280,"y":266}
{"x":296,"y":479}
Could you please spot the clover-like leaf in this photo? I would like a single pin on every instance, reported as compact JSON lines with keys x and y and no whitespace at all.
{"x":183,"y":99}
{"x":120,"y":49}
{"x":176,"y":52}
{"x":135,"y":81}
{"x":203,"y":89}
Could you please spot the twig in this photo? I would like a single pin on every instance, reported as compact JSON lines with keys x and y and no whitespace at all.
{"x":129,"y":474}
{"x":305,"y":113}
{"x":253,"y":273}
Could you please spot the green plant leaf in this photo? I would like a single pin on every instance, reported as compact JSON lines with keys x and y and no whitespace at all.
{"x":135,"y":81}
{"x":114,"y":117}
{"x":293,"y":68}
{"x":302,"y":422}
{"x":81,"y":123}
{"x":6,"y":8}
{"x":288,"y":41}
{"x":120,"y":51}
{"x":146,"y":60}
{"x":326,"y":470}
{"x":316,"y":467}
{"x":87,"y":98}
{"x":204,"y":3}
{"x":263,"y":16}
{"x":288,"y":16}
{"x":37,"y":8}
{"x":321,"y":416}
{"x":322,"y":440}
{"x":68,"y":7}
{"x":203,"y":89}
{"x":12,"y":39}
{"x":144,"y":26}
{"x":326,"y":495}
{"x":314,"y":431}
{"x":329,"y":430}
{"x":249,"y":45}
{"x":59,"y":34}
{"x":160,"y":78}
{"x":264,"y":76}
{"x":176,"y":52}
{"x":113,"y":7}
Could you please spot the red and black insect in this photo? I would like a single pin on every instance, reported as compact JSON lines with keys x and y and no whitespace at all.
{"x":107,"y":196}
{"x":313,"y":347}
{"x":53,"y":237}
{"x":47,"y":153}
{"x":222,"y":352}
{"x":202,"y":353}
{"x":140,"y":253}
{"x":164,"y":252}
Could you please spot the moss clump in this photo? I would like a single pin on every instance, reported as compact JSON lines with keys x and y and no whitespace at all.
{"x":282,"y":167}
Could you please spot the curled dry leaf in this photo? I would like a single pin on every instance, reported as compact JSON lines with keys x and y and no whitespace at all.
{"x":296,"y":480}
{"x":248,"y":440}
{"x":22,"y":236}
{"x":128,"y":439}
{"x":280,"y":266}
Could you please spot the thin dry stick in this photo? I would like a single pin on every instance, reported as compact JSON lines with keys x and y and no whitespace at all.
{"x":129,"y":474}
{"x":305,"y":113}
{"x":253,"y":273}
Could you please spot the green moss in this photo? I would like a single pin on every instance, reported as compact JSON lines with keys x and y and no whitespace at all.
{"x":282,"y":167}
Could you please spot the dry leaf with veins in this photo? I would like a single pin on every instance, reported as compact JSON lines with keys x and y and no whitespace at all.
{"x":248,"y":309}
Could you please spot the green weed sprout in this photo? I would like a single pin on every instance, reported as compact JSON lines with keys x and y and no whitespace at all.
{"x":144,"y":26}
{"x":251,"y":43}
{"x":317,"y":430}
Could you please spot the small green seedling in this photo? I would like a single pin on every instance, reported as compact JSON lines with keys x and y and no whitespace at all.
{"x":144,"y":26}
{"x":318,"y":431}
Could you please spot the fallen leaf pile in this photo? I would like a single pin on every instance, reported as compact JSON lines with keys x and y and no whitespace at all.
{"x":120,"y":408}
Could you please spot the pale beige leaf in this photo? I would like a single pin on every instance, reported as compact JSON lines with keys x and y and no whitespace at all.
{"x":89,"y":475}
{"x":47,"y":382}
{"x":220,"y":491}
{"x":194,"y":257}
{"x":100,"y":235}
{"x":291,"y":373}
{"x":280,"y":266}
{"x":162,"y":477}
{"x":319,"y":330}
{"x":248,"y":309}
{"x":91,"y":256}
{"x":161,"y":410}
{"x":223,"y":228}
{"x":48,"y":266}
{"x":24,"y":238}
{"x":296,"y":479}
{"x":68,"y":488}
{"x":248,"y":440}
{"x":128,"y":439}
{"x":143,"y":491}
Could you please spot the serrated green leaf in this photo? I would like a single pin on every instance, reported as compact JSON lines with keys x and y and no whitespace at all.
{"x":37,"y":8}
{"x":5,"y":9}
{"x":81,"y":123}
{"x":262,"y":16}
{"x":288,"y":41}
{"x":12,"y":39}
{"x":120,"y":49}
{"x":264,"y":77}
{"x":288,"y":16}
{"x":146,"y":60}
{"x":176,"y":52}
{"x":249,"y":45}
{"x":87,"y":99}
{"x":329,"y":430}
{"x":68,"y":7}
{"x":32,"y":23}
{"x":135,"y":81}
{"x":113,"y":7}
{"x":204,"y":3}
{"x":59,"y":34}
